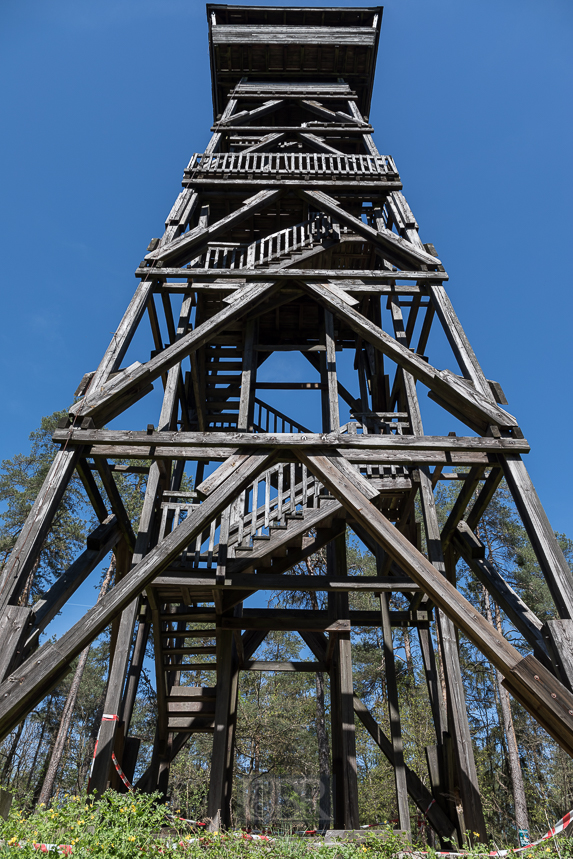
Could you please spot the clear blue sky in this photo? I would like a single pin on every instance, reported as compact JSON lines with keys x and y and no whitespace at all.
{"x":104,"y":101}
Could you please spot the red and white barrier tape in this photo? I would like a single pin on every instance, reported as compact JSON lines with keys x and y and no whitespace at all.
{"x":107,"y":717}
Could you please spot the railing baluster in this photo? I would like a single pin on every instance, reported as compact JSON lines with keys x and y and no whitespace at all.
{"x":211,"y":544}
{"x":267,"y":498}
{"x":280,"y":492}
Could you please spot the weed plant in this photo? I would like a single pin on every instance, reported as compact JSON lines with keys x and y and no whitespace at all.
{"x":125,"y":826}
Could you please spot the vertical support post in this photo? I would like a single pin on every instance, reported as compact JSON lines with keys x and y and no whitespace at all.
{"x":330,"y":410}
{"x":345,"y":781}
{"x":394,"y":714}
{"x":220,"y":784}
{"x":135,"y":668}
{"x":248,"y":377}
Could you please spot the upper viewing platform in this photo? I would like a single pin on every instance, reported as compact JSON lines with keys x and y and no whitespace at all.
{"x":296,"y":43}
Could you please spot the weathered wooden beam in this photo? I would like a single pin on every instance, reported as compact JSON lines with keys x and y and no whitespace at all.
{"x":272,"y":581}
{"x":229,"y":440}
{"x":262,"y":665}
{"x":394,"y":716}
{"x":224,"y":278}
{"x":418,"y":792}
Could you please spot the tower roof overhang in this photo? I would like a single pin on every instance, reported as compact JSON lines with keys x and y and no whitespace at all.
{"x":294,"y":43}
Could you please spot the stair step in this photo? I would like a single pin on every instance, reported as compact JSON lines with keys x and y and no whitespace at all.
{"x":202,"y":615}
{"x":295,"y":516}
{"x":190,"y":708}
{"x":188,"y":651}
{"x":192,"y":693}
{"x":191,"y":633}
{"x":224,"y":365}
{"x":221,"y":404}
{"x":190,"y":666}
{"x":191,"y":726}
{"x":262,"y":537}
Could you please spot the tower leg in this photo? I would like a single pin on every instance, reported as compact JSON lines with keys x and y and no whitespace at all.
{"x":394,"y":712}
{"x":220,"y":785}
{"x":345,"y":782}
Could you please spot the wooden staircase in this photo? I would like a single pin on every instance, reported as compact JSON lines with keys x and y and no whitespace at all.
{"x":287,"y":246}
{"x":283,"y":517}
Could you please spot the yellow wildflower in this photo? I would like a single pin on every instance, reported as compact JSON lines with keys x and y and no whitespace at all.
{"x":131,"y":838}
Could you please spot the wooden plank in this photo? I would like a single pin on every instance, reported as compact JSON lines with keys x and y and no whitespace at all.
{"x":100,"y":542}
{"x":248,"y":378}
{"x":417,"y":791}
{"x":123,"y":336}
{"x":313,"y":621}
{"x":204,"y":275}
{"x":15,"y":625}
{"x":458,"y":340}
{"x":250,"y":115}
{"x":249,"y":34}
{"x":220,"y":782}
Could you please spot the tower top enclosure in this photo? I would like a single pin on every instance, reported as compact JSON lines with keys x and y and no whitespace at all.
{"x":317,"y":45}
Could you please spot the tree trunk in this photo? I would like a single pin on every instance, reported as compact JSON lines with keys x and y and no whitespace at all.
{"x":66,"y":720}
{"x":10,"y":756}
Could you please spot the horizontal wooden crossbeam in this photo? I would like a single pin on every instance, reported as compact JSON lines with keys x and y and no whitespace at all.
{"x":270,"y":581}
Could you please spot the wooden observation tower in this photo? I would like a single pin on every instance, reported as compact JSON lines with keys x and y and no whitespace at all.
{"x":291,"y":235}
